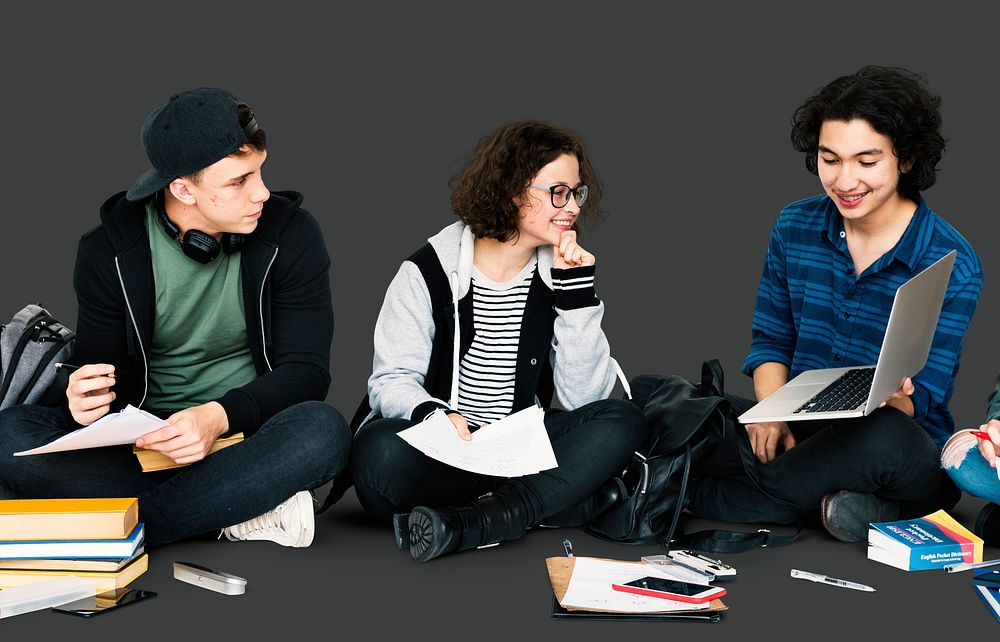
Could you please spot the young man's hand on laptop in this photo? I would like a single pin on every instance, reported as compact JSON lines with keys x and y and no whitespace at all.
{"x":766,"y":439}
{"x":901,"y":398}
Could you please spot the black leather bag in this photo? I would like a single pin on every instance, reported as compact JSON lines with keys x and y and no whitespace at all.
{"x":686,"y":422}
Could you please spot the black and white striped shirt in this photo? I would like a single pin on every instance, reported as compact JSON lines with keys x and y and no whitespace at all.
{"x":486,"y":376}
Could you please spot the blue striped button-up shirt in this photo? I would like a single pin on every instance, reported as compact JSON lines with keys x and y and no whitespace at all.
{"x":814,"y":312}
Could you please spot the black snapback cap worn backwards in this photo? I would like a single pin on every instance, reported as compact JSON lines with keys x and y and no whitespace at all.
{"x":189,"y":132}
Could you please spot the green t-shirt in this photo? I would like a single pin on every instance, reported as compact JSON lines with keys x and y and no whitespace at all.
{"x":200,"y":348}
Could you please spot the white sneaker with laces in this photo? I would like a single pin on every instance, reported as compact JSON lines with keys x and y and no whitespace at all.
{"x":291,"y":523}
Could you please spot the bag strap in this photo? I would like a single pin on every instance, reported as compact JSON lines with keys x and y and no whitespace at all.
{"x":713,"y":380}
{"x":682,"y":493}
{"x":723,"y":541}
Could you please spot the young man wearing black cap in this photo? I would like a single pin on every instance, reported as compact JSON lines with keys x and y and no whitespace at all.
{"x":205,"y":299}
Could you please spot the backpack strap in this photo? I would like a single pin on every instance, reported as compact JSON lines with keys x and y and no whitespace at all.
{"x":723,"y":541}
{"x":682,"y":493}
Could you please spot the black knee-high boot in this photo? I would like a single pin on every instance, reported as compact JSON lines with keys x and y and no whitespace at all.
{"x":493,"y":518}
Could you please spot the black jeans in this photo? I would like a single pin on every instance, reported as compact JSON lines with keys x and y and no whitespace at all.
{"x":591,"y":444}
{"x":886,"y":454}
{"x":300,"y":448}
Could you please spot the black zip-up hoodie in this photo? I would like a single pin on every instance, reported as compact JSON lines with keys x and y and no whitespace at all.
{"x":286,"y":297}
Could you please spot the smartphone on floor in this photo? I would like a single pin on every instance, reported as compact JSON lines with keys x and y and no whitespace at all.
{"x":671,"y":589}
{"x":103,"y":602}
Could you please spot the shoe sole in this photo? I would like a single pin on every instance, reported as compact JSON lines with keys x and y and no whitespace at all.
{"x":426,"y":531}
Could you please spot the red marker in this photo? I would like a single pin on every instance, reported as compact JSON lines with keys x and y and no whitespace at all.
{"x":982,"y":435}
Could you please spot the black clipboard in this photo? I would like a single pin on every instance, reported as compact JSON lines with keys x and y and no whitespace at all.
{"x":560,"y":612}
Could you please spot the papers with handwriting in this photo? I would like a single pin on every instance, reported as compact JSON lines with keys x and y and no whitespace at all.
{"x":516,"y":445}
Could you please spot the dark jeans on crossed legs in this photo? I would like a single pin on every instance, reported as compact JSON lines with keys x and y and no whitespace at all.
{"x":591,"y":444}
{"x":886,"y":454}
{"x":299,"y":448}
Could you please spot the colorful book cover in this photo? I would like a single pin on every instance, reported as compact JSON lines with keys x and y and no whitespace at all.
{"x":84,"y":548}
{"x":70,"y":564}
{"x":986,"y":584}
{"x":923,"y":543}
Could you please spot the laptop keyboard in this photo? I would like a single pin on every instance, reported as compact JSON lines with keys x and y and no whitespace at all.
{"x":846,"y":393}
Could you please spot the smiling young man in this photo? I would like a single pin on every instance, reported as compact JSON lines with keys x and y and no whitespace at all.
{"x":205,"y":299}
{"x":833,"y":265}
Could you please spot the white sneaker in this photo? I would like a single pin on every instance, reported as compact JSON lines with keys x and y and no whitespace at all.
{"x":291,"y":523}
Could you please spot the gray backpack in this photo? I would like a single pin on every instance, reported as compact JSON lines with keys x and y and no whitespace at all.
{"x":30,"y":345}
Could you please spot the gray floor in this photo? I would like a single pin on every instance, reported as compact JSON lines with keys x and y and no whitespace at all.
{"x":368,"y":113}
{"x":352,"y":581}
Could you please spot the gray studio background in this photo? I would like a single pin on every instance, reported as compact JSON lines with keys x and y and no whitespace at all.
{"x":369,"y":111}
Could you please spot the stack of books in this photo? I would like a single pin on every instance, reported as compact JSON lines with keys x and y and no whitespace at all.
{"x":100,"y":540}
{"x":923,"y":543}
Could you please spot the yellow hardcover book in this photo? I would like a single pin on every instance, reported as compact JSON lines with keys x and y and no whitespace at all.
{"x":103,"y":581}
{"x":53,"y":519}
{"x":76,"y":564}
{"x":153,"y":460}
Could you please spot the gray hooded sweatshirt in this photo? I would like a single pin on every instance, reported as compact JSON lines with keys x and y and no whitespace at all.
{"x":579,"y":355}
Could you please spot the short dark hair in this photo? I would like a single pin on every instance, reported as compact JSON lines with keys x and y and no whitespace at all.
{"x":486,"y":192}
{"x":896,"y":103}
{"x":256,"y":142}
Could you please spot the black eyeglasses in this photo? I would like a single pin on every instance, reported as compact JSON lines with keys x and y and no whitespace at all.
{"x":559,"y":194}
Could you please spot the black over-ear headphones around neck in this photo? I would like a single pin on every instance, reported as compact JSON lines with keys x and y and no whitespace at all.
{"x":196,"y":244}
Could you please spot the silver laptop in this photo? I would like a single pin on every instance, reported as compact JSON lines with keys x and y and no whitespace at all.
{"x":839,"y":393}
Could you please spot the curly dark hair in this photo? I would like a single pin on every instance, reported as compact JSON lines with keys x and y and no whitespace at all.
{"x":486,"y":192}
{"x":896,"y":103}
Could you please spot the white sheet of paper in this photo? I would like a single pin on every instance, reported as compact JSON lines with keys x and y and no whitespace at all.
{"x":114,"y":429}
{"x":590,"y":588}
{"x":516,"y":445}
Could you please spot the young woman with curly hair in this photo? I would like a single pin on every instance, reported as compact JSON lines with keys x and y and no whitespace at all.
{"x":511,"y":274}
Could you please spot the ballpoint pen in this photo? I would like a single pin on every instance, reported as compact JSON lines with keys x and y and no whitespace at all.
{"x":955,"y":568}
{"x":832,"y":581}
